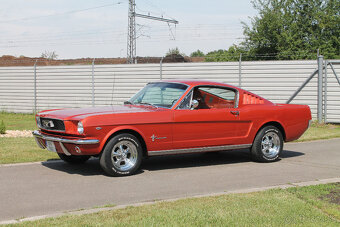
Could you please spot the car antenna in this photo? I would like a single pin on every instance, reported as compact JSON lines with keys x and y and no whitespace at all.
{"x":113,"y":87}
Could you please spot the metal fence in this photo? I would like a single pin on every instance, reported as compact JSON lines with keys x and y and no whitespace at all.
{"x":30,"y":88}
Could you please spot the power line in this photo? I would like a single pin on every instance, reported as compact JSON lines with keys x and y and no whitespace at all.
{"x":59,"y":14}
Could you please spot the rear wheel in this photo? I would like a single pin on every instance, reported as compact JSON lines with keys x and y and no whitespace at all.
{"x":74,"y":159}
{"x":122,"y":155}
{"x":267,"y":145}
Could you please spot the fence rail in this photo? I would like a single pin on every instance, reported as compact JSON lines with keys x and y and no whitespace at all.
{"x":24,"y":89}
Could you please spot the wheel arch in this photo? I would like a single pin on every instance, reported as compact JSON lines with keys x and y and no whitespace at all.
{"x":277,"y":125}
{"x":129,"y":131}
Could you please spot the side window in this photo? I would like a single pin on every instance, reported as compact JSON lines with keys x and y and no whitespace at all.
{"x":215,"y":98}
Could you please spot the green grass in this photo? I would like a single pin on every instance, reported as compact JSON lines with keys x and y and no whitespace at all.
{"x":18,"y":121}
{"x":17,"y":150}
{"x":321,"y":131}
{"x":303,"y":206}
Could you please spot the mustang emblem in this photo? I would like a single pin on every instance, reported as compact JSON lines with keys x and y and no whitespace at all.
{"x":48,"y":123}
{"x":153,"y":137}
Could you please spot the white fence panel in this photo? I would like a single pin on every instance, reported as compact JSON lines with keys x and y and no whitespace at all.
{"x":71,"y":86}
{"x":333,"y":94}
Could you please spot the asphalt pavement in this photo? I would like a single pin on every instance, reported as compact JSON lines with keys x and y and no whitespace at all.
{"x":45,"y":188}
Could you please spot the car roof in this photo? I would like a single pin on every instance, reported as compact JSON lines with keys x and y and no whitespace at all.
{"x":198,"y":82}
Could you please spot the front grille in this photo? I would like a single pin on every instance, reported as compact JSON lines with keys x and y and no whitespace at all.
{"x":52,"y":124}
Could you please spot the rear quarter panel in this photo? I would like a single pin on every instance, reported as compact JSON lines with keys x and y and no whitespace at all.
{"x":294,"y":119}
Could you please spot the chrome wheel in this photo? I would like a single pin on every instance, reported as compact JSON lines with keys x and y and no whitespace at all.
{"x":270,"y":144}
{"x":124,"y":155}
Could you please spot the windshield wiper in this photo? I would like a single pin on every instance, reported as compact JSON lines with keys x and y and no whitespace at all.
{"x":127,"y":102}
{"x":146,"y":103}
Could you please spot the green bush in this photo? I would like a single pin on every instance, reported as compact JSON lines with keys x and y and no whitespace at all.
{"x":2,"y":128}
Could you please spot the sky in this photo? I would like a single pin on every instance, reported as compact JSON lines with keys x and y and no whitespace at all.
{"x":98,"y":28}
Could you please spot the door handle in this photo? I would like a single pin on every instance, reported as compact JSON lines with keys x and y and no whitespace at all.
{"x":235,"y":112}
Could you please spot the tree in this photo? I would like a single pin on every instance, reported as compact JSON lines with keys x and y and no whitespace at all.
{"x":197,"y":53}
{"x":50,"y":55}
{"x":232,"y":54}
{"x":174,"y":51}
{"x":293,"y":29}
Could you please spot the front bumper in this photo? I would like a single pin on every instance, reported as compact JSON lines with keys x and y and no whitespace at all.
{"x":40,"y":138}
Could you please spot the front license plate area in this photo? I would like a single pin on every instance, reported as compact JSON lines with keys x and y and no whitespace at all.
{"x":50,"y":146}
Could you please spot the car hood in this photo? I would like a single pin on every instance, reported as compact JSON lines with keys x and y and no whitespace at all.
{"x":81,"y":113}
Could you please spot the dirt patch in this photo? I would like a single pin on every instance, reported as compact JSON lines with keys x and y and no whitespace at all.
{"x":333,"y":196}
{"x":17,"y":133}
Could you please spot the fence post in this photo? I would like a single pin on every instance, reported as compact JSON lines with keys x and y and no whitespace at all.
{"x":93,"y":103}
{"x":161,"y":69}
{"x":35,"y":86}
{"x":325,"y":95}
{"x":320,"y":85}
{"x":240,"y":71}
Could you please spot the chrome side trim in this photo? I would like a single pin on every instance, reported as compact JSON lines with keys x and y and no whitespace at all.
{"x":199,"y":149}
{"x":57,"y":139}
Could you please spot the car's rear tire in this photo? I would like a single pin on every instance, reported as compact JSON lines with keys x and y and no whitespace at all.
{"x":267,"y":145}
{"x":122,"y":155}
{"x":74,"y":159}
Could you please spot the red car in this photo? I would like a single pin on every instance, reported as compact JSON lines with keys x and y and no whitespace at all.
{"x":172,"y":117}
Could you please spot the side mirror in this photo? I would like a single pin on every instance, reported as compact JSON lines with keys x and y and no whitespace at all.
{"x":194,"y":104}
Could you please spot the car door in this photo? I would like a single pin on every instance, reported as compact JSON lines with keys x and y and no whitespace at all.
{"x":213,"y":123}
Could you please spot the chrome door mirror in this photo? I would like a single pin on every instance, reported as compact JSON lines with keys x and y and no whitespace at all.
{"x":194,"y":104}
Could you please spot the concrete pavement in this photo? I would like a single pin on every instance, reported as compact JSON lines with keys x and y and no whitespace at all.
{"x":41,"y":189}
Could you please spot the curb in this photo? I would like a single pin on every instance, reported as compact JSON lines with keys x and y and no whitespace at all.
{"x":240,"y":191}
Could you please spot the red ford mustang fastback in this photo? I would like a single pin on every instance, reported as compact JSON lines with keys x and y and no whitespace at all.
{"x":172,"y":117}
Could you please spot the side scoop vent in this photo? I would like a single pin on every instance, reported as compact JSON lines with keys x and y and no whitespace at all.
{"x":252,"y":99}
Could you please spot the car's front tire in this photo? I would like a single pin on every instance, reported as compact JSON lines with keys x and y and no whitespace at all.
{"x":122,"y":155}
{"x":267,"y":145}
{"x":74,"y":159}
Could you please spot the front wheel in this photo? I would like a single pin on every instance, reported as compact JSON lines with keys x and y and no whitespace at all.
{"x":267,"y":145}
{"x":122,"y":155}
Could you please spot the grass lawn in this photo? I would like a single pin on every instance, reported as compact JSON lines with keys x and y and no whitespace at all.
{"x":16,"y":150}
{"x":321,"y":131}
{"x":17,"y":121}
{"x":302,"y":206}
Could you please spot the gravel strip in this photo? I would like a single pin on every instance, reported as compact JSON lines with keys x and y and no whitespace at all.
{"x":17,"y":133}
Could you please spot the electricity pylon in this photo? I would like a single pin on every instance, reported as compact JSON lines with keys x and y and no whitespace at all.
{"x":131,"y":39}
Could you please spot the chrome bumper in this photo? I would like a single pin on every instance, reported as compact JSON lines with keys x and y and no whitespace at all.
{"x":56,"y":139}
{"x":37,"y":135}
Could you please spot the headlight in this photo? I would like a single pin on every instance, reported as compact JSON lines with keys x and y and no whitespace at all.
{"x":80,"y":128}
{"x":37,"y":118}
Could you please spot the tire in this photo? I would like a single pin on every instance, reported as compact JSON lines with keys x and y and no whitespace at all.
{"x":74,"y":159}
{"x":122,"y":155}
{"x":267,"y":145}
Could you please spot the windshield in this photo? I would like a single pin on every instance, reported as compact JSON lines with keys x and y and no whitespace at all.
{"x":159,"y":94}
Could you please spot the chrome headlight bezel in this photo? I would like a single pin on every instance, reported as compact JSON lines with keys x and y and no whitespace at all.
{"x":80,"y":127}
